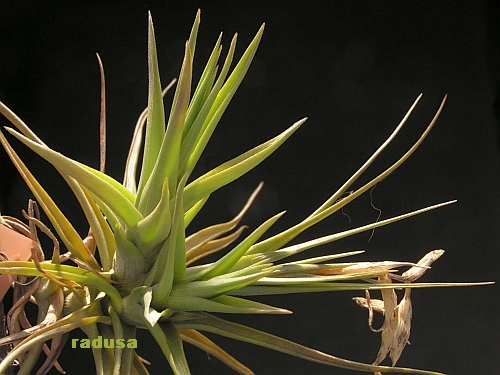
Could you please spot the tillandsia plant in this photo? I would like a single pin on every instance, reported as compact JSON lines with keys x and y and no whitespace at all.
{"x":139,"y":269}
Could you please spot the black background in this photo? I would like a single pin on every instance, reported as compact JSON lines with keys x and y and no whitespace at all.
{"x":352,"y":67}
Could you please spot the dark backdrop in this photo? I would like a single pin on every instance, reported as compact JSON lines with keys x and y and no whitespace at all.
{"x":352,"y":67}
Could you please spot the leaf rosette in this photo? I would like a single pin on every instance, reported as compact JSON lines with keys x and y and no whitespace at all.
{"x":139,"y":269}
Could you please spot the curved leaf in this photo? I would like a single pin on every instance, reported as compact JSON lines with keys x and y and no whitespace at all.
{"x":222,"y":327}
{"x":48,"y":333}
{"x":78,"y":275}
{"x":234,"y":168}
{"x":329,"y":207}
{"x":111,"y":192}
{"x":197,"y":339}
{"x":63,"y":227}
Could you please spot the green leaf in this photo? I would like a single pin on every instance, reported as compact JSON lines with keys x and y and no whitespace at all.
{"x":202,"y":90}
{"x":167,"y":163}
{"x":221,"y":304}
{"x":326,"y":258}
{"x":155,"y":128}
{"x":338,"y":194}
{"x":197,"y":339}
{"x":68,"y":322}
{"x":197,"y":245}
{"x":221,"y":284}
{"x":114,"y":195}
{"x":139,"y":366}
{"x":133,"y":308}
{"x":118,"y":333}
{"x":170,"y":343}
{"x":273,"y":256}
{"x":128,"y":354}
{"x":101,"y":357}
{"x":249,"y":306}
{"x":178,"y":232}
{"x":266,"y":290}
{"x":222,"y":327}
{"x":194,"y":32}
{"x":333,"y":204}
{"x":234,"y":168}
{"x":63,"y":227}
{"x":101,"y":231}
{"x":151,"y":231}
{"x":226,"y":263}
{"x":78,"y":275}
{"x":213,"y":246}
{"x":19,"y":124}
{"x":202,"y":122}
{"x":193,"y":211}
{"x":178,"y":363}
{"x":171,"y":263}
{"x":130,"y":262}
{"x":108,"y":214}
{"x":224,"y":96}
{"x":129,"y":179}
{"x":47,"y":333}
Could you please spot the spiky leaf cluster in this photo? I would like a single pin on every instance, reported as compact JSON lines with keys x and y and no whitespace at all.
{"x":138,"y":268}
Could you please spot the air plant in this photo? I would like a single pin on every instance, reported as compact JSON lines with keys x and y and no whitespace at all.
{"x":138,"y":268}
